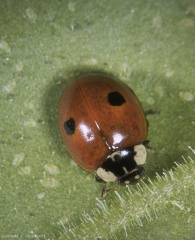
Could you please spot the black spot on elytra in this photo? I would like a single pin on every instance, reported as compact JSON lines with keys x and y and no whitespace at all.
{"x":69,"y":126}
{"x":116,"y":99}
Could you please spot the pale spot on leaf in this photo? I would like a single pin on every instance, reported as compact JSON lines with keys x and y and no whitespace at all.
{"x":49,"y":182}
{"x":51,"y":169}
{"x":24,"y":171}
{"x":18,"y":158}
{"x":31,"y":14}
{"x":186,"y":96}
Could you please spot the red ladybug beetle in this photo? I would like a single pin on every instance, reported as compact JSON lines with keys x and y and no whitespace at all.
{"x":104,"y":128}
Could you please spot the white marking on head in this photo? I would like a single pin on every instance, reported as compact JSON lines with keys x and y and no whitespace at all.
{"x":137,"y":177}
{"x":119,"y":154}
{"x":115,"y":155}
{"x":125,"y":170}
{"x":141,"y":154}
{"x":106,"y":176}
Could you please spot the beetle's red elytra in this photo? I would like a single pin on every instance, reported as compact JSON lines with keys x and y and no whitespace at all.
{"x":104,"y":128}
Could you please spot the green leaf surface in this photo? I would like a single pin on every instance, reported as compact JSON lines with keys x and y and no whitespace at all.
{"x":149,"y":45}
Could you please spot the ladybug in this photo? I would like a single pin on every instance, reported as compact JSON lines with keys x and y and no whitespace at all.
{"x":104,"y":128}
